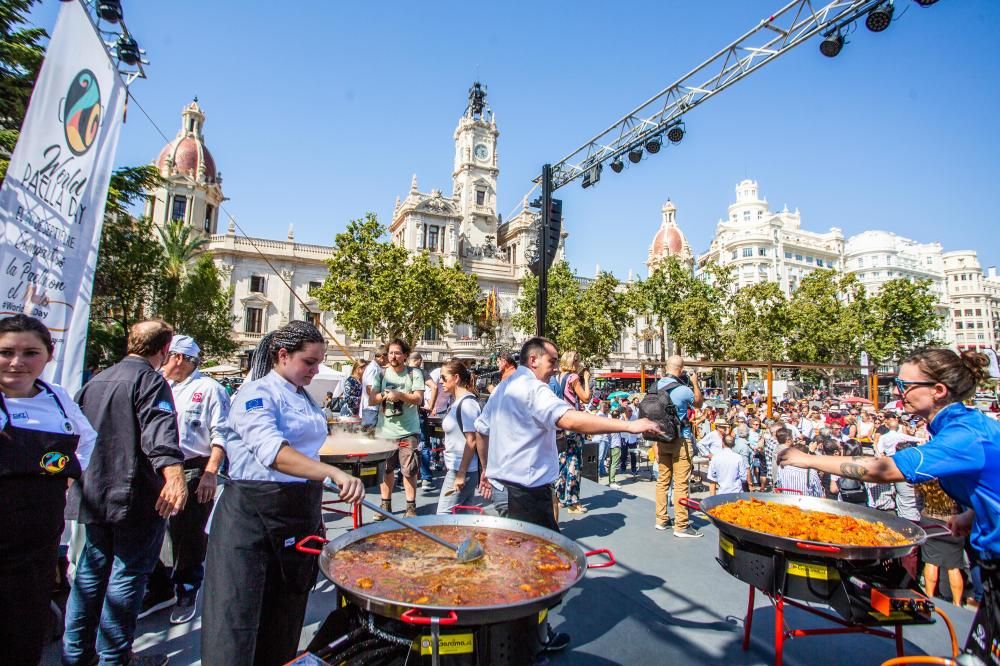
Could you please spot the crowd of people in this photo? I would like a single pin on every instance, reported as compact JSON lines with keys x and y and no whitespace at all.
{"x":143,"y":446}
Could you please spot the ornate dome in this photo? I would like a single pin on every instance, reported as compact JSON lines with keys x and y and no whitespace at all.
{"x":187,"y":154}
{"x":669,"y":240}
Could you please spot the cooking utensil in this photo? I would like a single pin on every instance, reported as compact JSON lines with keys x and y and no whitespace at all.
{"x":914,"y":534}
{"x":463,"y":615}
{"x":468,"y":551}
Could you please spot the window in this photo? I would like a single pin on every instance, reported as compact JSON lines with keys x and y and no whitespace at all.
{"x":760,"y":215}
{"x":958,"y":325}
{"x":877,"y":274}
{"x":788,"y":255}
{"x":979,"y":324}
{"x":648,"y":346}
{"x":480,"y":197}
{"x":963,"y":277}
{"x":313,"y":286}
{"x":433,"y":238}
{"x":179,"y":209}
{"x":930,"y":260}
{"x":209,"y":211}
{"x":968,"y":313}
{"x":748,"y":252}
{"x":979,"y":312}
{"x":313,"y":318}
{"x":861,"y":262}
{"x":746,"y":216}
{"x":954,"y":278}
{"x":981,"y":336}
{"x":819,"y":262}
{"x":809,"y":260}
{"x":798,"y":257}
{"x":253,"y":320}
{"x":430,"y":333}
{"x":257,"y":283}
{"x":616,"y":346}
{"x":762,"y":252}
{"x":734,"y":254}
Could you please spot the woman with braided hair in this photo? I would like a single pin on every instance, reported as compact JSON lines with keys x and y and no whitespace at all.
{"x":256,"y":583}
{"x":963,"y":455}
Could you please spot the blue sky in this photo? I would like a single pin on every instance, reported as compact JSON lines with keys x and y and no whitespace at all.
{"x":319,"y":111}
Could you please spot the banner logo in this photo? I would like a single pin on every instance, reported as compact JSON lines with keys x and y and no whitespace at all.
{"x":54,"y":462}
{"x":82,"y":112}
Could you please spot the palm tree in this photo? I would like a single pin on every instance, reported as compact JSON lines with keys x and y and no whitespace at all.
{"x":180,"y":246}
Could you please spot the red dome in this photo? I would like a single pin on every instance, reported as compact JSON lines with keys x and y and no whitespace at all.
{"x":667,"y":241}
{"x":187,"y":153}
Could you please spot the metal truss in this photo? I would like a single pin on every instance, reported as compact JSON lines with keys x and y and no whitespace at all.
{"x":110,"y":33}
{"x":774,"y":36}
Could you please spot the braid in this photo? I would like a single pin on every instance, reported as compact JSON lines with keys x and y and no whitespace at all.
{"x":291,"y":337}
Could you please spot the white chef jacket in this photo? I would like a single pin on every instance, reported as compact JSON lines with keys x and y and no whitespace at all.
{"x":520,"y":420}
{"x":202,"y":414}
{"x":42,"y":413}
{"x":266,"y":413}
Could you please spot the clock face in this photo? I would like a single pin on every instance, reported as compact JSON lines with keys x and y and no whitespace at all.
{"x":481,"y":152}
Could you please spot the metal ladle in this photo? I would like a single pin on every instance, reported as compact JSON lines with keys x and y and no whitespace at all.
{"x":469,"y":550}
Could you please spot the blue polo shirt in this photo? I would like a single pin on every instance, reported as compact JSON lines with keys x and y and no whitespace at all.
{"x":682,"y":397}
{"x":964,"y":456}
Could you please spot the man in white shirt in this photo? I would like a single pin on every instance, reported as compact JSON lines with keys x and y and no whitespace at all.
{"x":202,"y":406}
{"x":370,"y":377}
{"x":712,"y":443}
{"x":728,"y":470}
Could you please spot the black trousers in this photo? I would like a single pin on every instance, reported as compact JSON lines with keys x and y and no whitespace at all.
{"x":256,"y":584}
{"x":31,"y":510}
{"x":532,"y":505}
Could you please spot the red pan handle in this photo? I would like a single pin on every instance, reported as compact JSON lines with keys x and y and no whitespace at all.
{"x":817,"y":547}
{"x":788,"y":490}
{"x":356,"y":455}
{"x":603,"y":565}
{"x":303,"y":548}
{"x":462,"y":507}
{"x":413,"y":616}
{"x":694,"y":505}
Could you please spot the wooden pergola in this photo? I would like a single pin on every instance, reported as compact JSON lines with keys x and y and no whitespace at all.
{"x":869,"y":370}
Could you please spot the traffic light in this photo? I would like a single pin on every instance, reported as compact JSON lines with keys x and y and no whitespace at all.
{"x":551,"y":229}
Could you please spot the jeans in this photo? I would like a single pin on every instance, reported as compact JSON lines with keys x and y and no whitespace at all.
{"x":107,"y":592}
{"x":463,"y":498}
{"x":425,"y":460}
{"x":602,"y":454}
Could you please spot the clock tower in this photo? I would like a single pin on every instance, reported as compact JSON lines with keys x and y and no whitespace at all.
{"x":474,"y":178}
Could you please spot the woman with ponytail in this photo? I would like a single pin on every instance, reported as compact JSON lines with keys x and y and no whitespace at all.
{"x":256,"y":583}
{"x":963,"y":455}
{"x":460,"y":454}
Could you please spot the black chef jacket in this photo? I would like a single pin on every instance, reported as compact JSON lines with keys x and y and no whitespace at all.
{"x":132,"y":409}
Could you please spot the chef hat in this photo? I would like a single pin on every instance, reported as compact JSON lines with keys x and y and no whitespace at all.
{"x":184,"y":344}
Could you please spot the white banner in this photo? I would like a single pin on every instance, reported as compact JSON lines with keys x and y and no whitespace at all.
{"x":864,"y":363}
{"x":52,"y":200}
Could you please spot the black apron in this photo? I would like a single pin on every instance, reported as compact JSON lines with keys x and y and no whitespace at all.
{"x":34,"y":468}
{"x":984,"y":636}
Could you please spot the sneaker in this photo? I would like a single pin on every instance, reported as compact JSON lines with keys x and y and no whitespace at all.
{"x":411,"y":510}
{"x":663,"y":527}
{"x":688,"y":533}
{"x":149,"y":660}
{"x":387,"y":505}
{"x":156,"y":600}
{"x":556,"y":642}
{"x":187,"y":602}
{"x":615,"y":486}
{"x":427,"y":484}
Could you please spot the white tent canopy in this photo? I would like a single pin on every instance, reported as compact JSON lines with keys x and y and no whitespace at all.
{"x":328,"y":379}
{"x":222,"y":370}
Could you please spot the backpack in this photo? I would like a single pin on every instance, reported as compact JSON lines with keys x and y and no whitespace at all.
{"x":852,"y":491}
{"x":659,"y":408}
{"x":559,"y":386}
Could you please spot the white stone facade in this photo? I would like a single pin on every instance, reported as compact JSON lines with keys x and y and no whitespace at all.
{"x":973,"y":300}
{"x":766,"y":246}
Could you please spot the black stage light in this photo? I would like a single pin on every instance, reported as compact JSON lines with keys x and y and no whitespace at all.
{"x":879,"y":18}
{"x":635,"y":155}
{"x":653,"y":146}
{"x":675,"y":134}
{"x":128,"y":50}
{"x":592,"y":175}
{"x":831,"y":45}
{"x":110,"y":10}
{"x":617,"y":165}
{"x":925,"y":3}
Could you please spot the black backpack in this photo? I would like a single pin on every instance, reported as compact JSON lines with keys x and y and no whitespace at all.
{"x":852,"y":491}
{"x":659,"y":408}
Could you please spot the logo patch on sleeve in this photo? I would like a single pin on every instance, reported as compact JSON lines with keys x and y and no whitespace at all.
{"x":197,"y":397}
{"x":256,"y":403}
{"x":165,"y":406}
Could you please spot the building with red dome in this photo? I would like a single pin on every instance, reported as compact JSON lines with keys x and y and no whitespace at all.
{"x":669,"y":240}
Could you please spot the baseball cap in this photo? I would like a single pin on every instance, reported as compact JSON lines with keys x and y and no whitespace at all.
{"x":184,"y":344}
{"x":721,"y":423}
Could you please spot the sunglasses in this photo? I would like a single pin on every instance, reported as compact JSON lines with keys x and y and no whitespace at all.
{"x":903,"y":386}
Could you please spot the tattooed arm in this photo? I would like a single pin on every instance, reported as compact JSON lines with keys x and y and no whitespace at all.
{"x":863,"y":468}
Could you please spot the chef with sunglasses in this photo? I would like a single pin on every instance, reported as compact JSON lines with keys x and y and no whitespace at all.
{"x":963,"y":455}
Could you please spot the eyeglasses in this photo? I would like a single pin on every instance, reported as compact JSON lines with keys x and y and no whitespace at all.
{"x":903,"y":386}
{"x":191,"y":359}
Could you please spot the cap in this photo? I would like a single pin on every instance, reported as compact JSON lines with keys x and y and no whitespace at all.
{"x":184,"y":344}
{"x":721,"y":423}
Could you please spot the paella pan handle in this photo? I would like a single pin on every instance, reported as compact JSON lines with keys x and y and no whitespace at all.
{"x":461,"y":507}
{"x":603,"y":565}
{"x":817,"y":547}
{"x":694,"y":505}
{"x":413,"y":616}
{"x":303,"y":548}
{"x":935,"y":530}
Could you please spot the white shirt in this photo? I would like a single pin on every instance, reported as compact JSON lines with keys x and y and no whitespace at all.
{"x":454,"y":437}
{"x":710,"y":444}
{"x":729,"y":470}
{"x":434,"y":377}
{"x":368,"y":379}
{"x":265,"y":413}
{"x":202,"y":414}
{"x":520,"y":420}
{"x":888,"y":442}
{"x":43,"y":414}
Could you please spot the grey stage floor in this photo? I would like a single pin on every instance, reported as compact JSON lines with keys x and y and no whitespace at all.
{"x":666,"y":602}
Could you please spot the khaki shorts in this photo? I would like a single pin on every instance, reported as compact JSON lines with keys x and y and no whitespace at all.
{"x":405,"y":457}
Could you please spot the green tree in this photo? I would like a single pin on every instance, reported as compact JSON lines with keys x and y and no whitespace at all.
{"x":826,"y":317}
{"x":587,"y":318}
{"x":902,"y":317}
{"x":202,"y":309}
{"x":181,"y":244}
{"x":377,"y":288}
{"x":21,"y":54}
{"x":757,"y":323}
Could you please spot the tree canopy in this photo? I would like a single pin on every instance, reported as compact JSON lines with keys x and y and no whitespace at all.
{"x":21,"y":54}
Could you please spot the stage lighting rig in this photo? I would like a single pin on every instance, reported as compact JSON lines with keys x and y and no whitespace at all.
{"x":879,"y":17}
{"x":110,"y":10}
{"x":832,"y":44}
{"x":676,"y":133}
{"x":617,"y":165}
{"x":635,"y":155}
{"x":653,"y":145}
{"x":128,"y":50}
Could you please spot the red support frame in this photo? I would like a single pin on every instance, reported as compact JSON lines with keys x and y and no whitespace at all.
{"x":781,"y":633}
